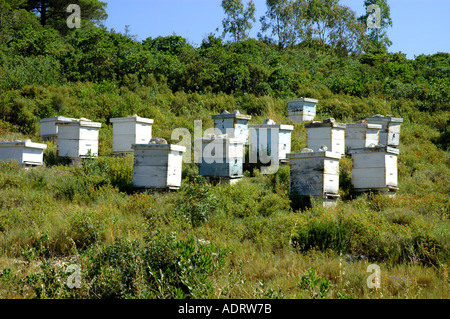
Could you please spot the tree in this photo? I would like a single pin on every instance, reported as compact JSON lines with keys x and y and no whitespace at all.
{"x":280,"y":19}
{"x":239,"y":18}
{"x":53,"y":12}
{"x":377,"y":32}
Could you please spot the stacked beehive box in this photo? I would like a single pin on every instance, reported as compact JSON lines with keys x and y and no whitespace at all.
{"x":130,"y":130}
{"x":375,"y":169}
{"x":302,"y":109}
{"x":78,"y":139}
{"x":24,"y":153}
{"x":269,"y":141}
{"x":49,"y":129}
{"x":361,"y":134}
{"x":327,"y":133}
{"x":315,"y":175}
{"x":390,"y":129}
{"x":235,"y":124}
{"x":221,"y":158}
{"x":157,"y":165}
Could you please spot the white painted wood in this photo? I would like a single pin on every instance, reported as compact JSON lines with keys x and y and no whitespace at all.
{"x":23,"y":152}
{"x":78,"y":138}
{"x":302,"y":109}
{"x":314,"y":173}
{"x":374,"y":168}
{"x":358,"y":135}
{"x":390,"y":131}
{"x":130,"y":130}
{"x":49,"y":127}
{"x":328,"y":133}
{"x":235,"y":124}
{"x":273,"y":137}
{"x":157,"y":165}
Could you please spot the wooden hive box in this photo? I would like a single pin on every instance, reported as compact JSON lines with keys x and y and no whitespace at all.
{"x":130,"y":130}
{"x":221,"y":157}
{"x":157,"y":166}
{"x":49,"y":129}
{"x":361,"y":134}
{"x":235,"y":124}
{"x":327,"y":133}
{"x":78,"y":139}
{"x":302,"y":109}
{"x":267,"y":138}
{"x":390,"y":130}
{"x":23,"y":152}
{"x":315,"y":175}
{"x":375,"y":169}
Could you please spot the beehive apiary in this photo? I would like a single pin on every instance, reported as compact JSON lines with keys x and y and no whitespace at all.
{"x":327,"y":133}
{"x":375,"y":169}
{"x":157,"y":165}
{"x":23,"y":152}
{"x":302,"y":109}
{"x":221,"y":157}
{"x":235,"y":124}
{"x":49,"y":129}
{"x":390,"y":130}
{"x":361,"y":134}
{"x":78,"y":139}
{"x":130,"y":130}
{"x":271,"y":140}
{"x":315,"y":174}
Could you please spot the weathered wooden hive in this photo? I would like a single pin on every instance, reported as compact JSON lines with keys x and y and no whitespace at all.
{"x":221,"y":157}
{"x":273,"y":140}
{"x":390,"y":130}
{"x":315,"y":174}
{"x":327,"y":133}
{"x":302,"y":109}
{"x":130,"y":130}
{"x":78,"y":138}
{"x":49,"y":129}
{"x":375,"y":169}
{"x":235,"y":124}
{"x":157,"y":165}
{"x":361,"y":134}
{"x":23,"y":152}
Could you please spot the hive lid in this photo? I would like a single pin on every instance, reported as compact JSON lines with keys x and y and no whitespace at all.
{"x":330,"y":122}
{"x":168,"y":147}
{"x":26,"y":143}
{"x":80,"y":122}
{"x":382,"y":118}
{"x":134,"y":118}
{"x":220,"y":139}
{"x":307,"y":153}
{"x":364,"y":124}
{"x":303,"y":99}
{"x":56,"y":118}
{"x":281,"y":127}
{"x":236,"y":114}
{"x":374,"y":149}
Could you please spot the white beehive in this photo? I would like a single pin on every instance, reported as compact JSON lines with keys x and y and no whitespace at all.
{"x":23,"y":152}
{"x":49,"y":129}
{"x":273,"y":140}
{"x":78,"y":139}
{"x":235,"y":124}
{"x":130,"y":130}
{"x":328,"y":133}
{"x":157,"y":166}
{"x":361,"y":134}
{"x":302,"y":109}
{"x":390,"y":131}
{"x":221,"y":157}
{"x":374,"y":169}
{"x":315,"y":175}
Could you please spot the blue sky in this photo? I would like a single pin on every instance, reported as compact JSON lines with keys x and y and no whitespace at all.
{"x":419,"y":26}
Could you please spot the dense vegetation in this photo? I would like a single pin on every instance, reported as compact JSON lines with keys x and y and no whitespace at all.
{"x":204,"y":241}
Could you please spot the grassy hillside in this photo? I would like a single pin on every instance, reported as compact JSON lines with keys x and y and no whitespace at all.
{"x":205,"y":241}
